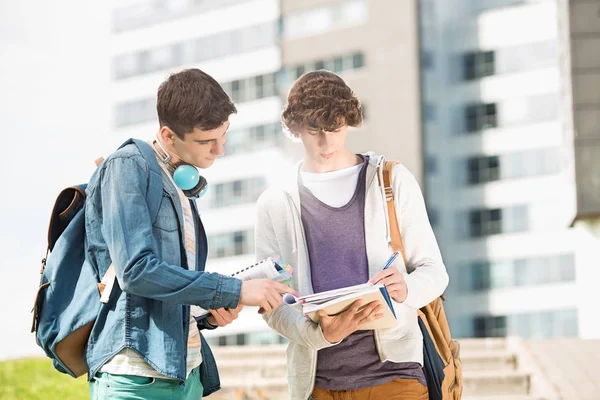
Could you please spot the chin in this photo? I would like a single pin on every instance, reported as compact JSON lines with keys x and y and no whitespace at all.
{"x":206,"y":163}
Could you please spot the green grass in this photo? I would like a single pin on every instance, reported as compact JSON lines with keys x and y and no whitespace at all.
{"x":36,"y":379}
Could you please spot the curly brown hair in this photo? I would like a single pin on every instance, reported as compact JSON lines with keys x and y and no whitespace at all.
{"x":320,"y":100}
{"x":192,"y":99}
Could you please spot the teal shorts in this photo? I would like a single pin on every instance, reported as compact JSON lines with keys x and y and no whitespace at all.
{"x":107,"y":386}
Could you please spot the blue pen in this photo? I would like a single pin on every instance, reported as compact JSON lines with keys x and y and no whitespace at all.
{"x":390,"y":261}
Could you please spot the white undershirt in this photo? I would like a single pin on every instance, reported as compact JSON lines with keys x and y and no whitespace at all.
{"x":334,"y":188}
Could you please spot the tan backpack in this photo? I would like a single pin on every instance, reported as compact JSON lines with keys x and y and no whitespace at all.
{"x":442,"y":365}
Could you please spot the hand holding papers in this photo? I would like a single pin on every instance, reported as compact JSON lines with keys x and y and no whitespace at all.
{"x":334,"y":302}
{"x":265,"y":269}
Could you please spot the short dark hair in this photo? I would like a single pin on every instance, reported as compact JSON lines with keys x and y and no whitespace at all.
{"x":192,"y":99}
{"x":320,"y":100}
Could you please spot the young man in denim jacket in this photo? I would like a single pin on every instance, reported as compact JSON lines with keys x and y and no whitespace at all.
{"x":330,"y":221}
{"x":146,"y":342}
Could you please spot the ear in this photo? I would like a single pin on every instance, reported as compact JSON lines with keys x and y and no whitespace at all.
{"x":167,"y":136}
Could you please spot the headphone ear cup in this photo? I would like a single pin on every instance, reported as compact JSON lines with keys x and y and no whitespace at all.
{"x":199,"y":190}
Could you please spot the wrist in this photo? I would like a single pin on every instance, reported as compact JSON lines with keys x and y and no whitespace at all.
{"x":204,"y":323}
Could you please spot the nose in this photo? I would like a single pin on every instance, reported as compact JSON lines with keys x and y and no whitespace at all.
{"x":218,"y":148}
{"x":324,"y":140}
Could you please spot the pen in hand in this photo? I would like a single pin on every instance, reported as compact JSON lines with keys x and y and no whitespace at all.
{"x":388,"y":263}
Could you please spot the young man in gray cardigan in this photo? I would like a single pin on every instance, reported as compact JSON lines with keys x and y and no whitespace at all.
{"x":330,"y":222}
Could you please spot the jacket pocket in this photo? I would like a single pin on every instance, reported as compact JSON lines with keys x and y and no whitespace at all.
{"x":166,"y":219}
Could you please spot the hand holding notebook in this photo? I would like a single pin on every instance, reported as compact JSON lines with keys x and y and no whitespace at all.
{"x":270,"y":268}
{"x":336,"y":301}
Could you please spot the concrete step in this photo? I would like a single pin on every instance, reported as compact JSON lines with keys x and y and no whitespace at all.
{"x":482,"y":344}
{"x":275,"y":367}
{"x":249,"y":352}
{"x":495,"y":383}
{"x":496,"y":360}
{"x":248,"y":388}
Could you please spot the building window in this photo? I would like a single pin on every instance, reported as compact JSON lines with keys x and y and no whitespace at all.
{"x":486,"y":275}
{"x":231,"y":244}
{"x":429,"y":112}
{"x":236,"y":192}
{"x":135,"y":112}
{"x":426,"y":59}
{"x":358,"y":60}
{"x":253,"y":138}
{"x":431,"y":165}
{"x":483,"y":169}
{"x":481,"y":116}
{"x":485,"y":222}
{"x":489,"y":326}
{"x":323,"y":19}
{"x":536,"y":324}
{"x":338,"y":65}
{"x":196,"y":50}
{"x":478,"y":64}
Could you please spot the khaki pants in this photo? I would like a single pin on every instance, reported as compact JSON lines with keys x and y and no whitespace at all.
{"x":398,"y":389}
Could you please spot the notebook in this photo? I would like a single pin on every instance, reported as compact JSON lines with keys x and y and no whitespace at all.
{"x":270,"y":268}
{"x":339,"y":300}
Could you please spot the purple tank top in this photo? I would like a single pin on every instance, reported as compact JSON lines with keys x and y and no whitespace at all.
{"x":338,"y":258}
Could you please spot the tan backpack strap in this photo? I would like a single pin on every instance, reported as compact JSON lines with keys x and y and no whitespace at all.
{"x":99,"y":161}
{"x":397,"y":245}
{"x":389,"y":197}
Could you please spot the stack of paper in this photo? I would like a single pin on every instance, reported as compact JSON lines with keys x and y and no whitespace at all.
{"x":336,"y":301}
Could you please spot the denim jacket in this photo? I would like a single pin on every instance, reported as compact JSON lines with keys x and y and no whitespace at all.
{"x":148,"y":310}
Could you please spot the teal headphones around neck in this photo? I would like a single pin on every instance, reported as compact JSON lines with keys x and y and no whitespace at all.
{"x":186,"y":176}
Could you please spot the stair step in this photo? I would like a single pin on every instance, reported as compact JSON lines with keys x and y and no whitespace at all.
{"x":249,"y":352}
{"x":252,"y":388}
{"x":499,"y":383}
{"x":256,"y":368}
{"x":482,"y":344}
{"x":497,"y":360}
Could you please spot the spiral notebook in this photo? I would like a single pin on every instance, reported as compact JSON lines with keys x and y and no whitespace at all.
{"x":270,"y":268}
{"x":336,"y":301}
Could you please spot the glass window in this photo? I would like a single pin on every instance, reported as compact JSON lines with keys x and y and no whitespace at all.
{"x":567,"y":267}
{"x":429,"y":111}
{"x":354,"y":12}
{"x":480,"y":116}
{"x":485,"y":222}
{"x":478,"y":64}
{"x":338,"y":65}
{"x":483,"y":169}
{"x":258,"y":87}
{"x":236,"y":95}
{"x":358,"y":60}
{"x":469,"y":66}
{"x":431,"y":164}
{"x":426,"y":59}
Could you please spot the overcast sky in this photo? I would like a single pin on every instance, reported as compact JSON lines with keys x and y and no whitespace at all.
{"x":54,"y":75}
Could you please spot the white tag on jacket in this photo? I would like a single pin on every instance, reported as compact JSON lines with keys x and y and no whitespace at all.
{"x":108,"y":280}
